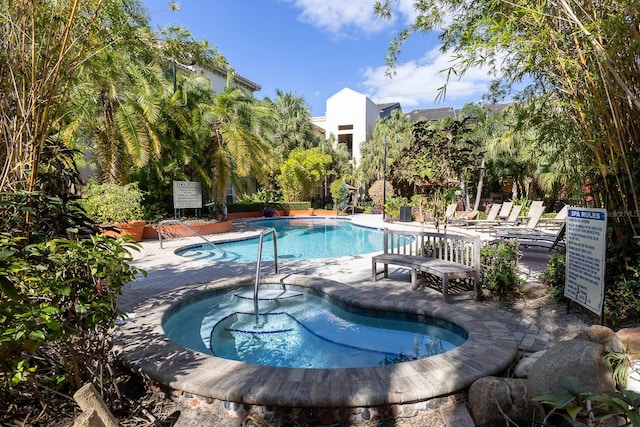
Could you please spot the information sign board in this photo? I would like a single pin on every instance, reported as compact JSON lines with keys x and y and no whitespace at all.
{"x":187,"y":195}
{"x":586,"y":257}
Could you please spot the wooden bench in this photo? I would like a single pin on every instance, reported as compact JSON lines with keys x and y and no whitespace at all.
{"x":444,"y":255}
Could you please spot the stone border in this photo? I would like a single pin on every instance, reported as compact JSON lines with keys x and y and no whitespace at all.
{"x":490,"y":348}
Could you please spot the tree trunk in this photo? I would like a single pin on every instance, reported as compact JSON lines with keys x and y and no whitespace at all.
{"x":476,"y":205}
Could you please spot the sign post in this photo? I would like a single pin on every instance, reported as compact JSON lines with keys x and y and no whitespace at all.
{"x":586,"y":257}
{"x":186,"y":195}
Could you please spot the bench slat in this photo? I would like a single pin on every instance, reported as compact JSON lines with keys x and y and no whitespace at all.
{"x":448,"y":256}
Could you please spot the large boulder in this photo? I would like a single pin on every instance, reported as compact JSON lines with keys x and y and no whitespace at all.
{"x":574,"y":358}
{"x":491,"y":398}
{"x":630,"y":337}
{"x":522,"y":368}
{"x":602,"y":335}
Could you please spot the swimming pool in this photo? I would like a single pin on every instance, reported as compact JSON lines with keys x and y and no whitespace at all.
{"x":299,"y":238}
{"x":298,"y":329}
{"x":218,"y":384}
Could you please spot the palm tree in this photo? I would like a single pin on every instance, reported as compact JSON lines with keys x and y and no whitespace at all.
{"x":228,"y":145}
{"x":396,"y":130}
{"x":117,"y":115}
{"x":291,"y":124}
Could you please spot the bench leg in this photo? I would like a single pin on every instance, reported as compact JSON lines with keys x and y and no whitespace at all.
{"x":374,"y":272}
{"x":414,"y":279}
{"x":445,"y":285}
{"x":477,"y":290}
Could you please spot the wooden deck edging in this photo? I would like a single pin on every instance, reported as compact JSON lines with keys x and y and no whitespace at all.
{"x":445,"y":255}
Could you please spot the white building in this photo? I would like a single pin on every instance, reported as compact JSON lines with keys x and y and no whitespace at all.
{"x":218,"y":78}
{"x":351,"y":117}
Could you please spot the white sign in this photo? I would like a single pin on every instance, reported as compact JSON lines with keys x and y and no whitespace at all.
{"x":187,"y":195}
{"x":586,"y":257}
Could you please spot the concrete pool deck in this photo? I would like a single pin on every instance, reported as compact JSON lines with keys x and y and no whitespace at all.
{"x":496,"y":334}
{"x":166,"y":271}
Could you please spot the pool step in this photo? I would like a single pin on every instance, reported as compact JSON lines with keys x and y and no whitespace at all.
{"x":269,"y":294}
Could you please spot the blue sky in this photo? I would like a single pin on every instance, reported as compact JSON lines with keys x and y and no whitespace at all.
{"x":314,"y":48}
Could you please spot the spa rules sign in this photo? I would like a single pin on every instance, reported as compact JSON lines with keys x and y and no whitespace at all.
{"x":586,"y":249}
{"x":187,"y":195}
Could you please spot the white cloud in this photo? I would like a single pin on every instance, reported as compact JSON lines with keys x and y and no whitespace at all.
{"x":341,"y":17}
{"x":416,"y":83}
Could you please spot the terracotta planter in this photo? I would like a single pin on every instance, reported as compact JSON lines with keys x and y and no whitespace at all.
{"x":301,"y":212}
{"x":134,"y":229}
{"x":324,"y":212}
{"x":239,"y":215}
{"x":176,"y":231}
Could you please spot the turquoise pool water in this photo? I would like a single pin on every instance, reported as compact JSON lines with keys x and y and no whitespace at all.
{"x":299,"y":238}
{"x":294,"y":328}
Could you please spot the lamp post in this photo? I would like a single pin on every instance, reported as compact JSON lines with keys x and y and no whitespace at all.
{"x":384,"y":178}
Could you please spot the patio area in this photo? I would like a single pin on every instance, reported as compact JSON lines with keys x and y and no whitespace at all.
{"x":168,"y":274}
{"x":167,"y":271}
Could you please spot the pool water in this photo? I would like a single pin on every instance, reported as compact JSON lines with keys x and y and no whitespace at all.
{"x":296,"y":239}
{"x":293,"y":328}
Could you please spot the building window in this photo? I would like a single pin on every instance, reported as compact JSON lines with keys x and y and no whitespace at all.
{"x":345,"y":127}
{"x":230,"y":195}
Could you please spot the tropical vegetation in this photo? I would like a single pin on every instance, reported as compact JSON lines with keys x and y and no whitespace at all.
{"x":572,"y":68}
{"x":89,"y":88}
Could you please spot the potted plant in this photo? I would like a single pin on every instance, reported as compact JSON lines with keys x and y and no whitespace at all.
{"x":117,"y":208}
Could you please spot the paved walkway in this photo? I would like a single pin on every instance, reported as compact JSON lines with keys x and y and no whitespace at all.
{"x":166,"y":271}
{"x":495,"y":334}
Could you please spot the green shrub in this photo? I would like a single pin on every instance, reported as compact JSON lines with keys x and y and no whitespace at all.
{"x":499,"y":268}
{"x":245,"y":207}
{"x":622,"y":299}
{"x":393,"y":205}
{"x":112,"y":203}
{"x":593,"y":409}
{"x":554,"y":274}
{"x":260,"y":196}
{"x":297,"y":206}
{"x":339,"y":193}
{"x":524,"y":202}
{"x":59,"y":297}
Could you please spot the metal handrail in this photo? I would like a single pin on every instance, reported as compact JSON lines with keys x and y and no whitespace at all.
{"x":353,"y":209}
{"x":177,"y":221}
{"x":259,"y":262}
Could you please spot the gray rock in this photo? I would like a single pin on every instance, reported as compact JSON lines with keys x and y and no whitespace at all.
{"x":522,"y":368}
{"x":574,"y":358}
{"x":491,"y":398}
{"x":534,"y":290}
{"x":630,"y":338}
{"x":605,"y":336}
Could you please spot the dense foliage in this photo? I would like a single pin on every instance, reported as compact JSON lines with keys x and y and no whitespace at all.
{"x":112,"y":203}
{"x":303,"y":172}
{"x":554,"y":274}
{"x":574,"y":68}
{"x":499,"y":270}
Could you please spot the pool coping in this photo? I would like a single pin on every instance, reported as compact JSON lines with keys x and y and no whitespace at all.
{"x":490,"y":349}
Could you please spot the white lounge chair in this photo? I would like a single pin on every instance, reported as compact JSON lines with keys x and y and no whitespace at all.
{"x":505,"y":210}
{"x":542,"y":239}
{"x":556,"y":221}
{"x":491,"y":217}
{"x":535,"y":212}
{"x":449,"y":215}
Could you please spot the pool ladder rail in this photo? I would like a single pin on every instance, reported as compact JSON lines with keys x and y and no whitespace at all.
{"x":259,"y":262}
{"x":208,"y":243}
